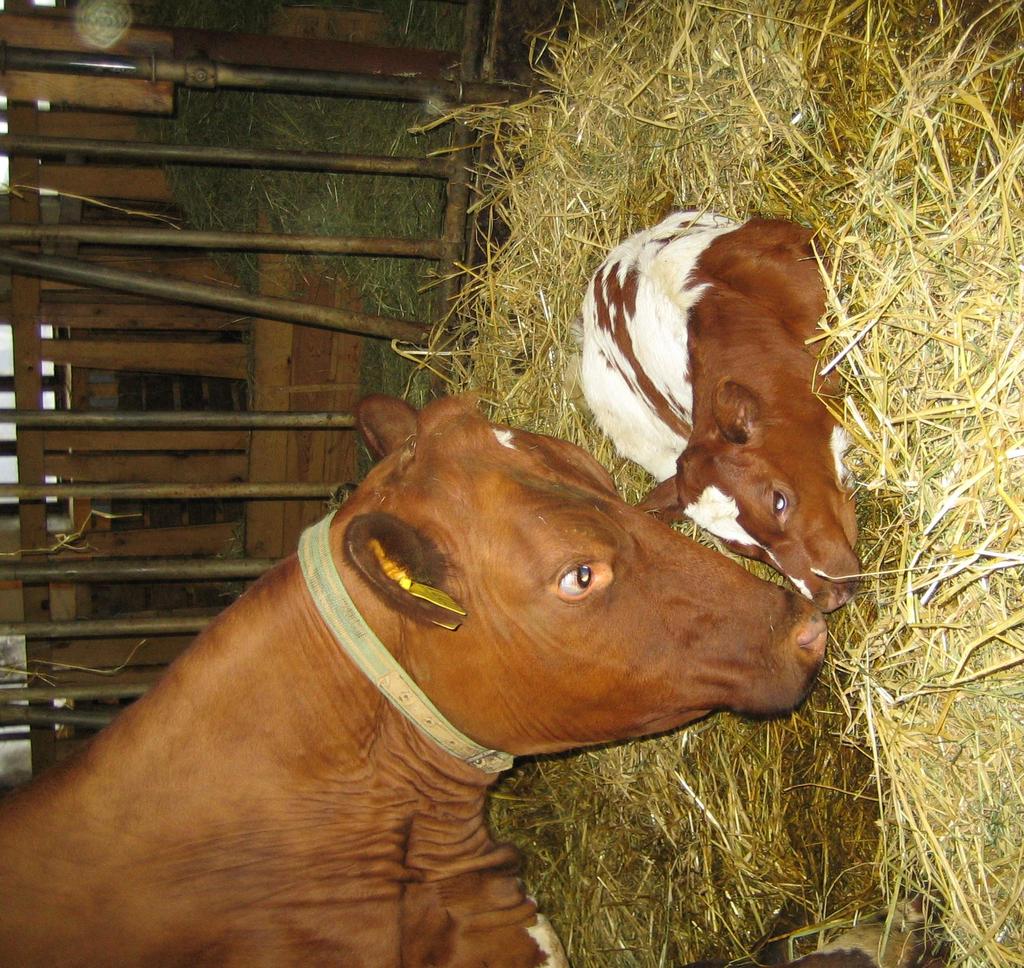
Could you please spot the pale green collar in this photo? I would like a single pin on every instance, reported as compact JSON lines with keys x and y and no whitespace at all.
{"x":373,"y":659}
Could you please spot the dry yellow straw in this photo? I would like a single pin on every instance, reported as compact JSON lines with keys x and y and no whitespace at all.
{"x":895,"y":131}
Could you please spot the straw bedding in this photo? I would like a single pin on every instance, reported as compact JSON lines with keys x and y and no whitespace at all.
{"x":894,"y":130}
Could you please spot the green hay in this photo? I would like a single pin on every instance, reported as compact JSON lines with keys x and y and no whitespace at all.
{"x":226,"y":199}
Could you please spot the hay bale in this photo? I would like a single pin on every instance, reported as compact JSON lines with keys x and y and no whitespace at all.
{"x":894,"y":130}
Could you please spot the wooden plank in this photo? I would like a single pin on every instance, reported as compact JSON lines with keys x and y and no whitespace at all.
{"x":321,"y":23}
{"x":292,"y":370}
{"x":312,"y":54}
{"x":112,"y":653}
{"x":228,"y":360}
{"x":24,"y":319}
{"x":58,"y":31}
{"x":81,"y":508}
{"x":148,"y":468}
{"x":88,"y":124}
{"x":188,"y":268}
{"x":195,"y":539}
{"x":103,"y":93}
{"x":329,"y":359}
{"x":270,"y":346}
{"x":106,"y":181}
{"x":141,"y":674}
{"x":163,"y":440}
{"x":311,"y":363}
{"x":153,"y":316}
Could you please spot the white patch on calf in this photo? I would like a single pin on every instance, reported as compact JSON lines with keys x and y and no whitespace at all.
{"x":840,"y":444}
{"x":548,"y":942}
{"x":505,"y":437}
{"x":718,"y":513}
{"x":662,"y":258}
{"x":621,"y":410}
{"x":799,"y":584}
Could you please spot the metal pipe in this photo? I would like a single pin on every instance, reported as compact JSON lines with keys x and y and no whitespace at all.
{"x":132,"y":569}
{"x":458,"y":187}
{"x":210,"y":75}
{"x":153,"y":152}
{"x":237,"y":241}
{"x":100,"y":628}
{"x":52,"y":716}
{"x":241,"y":490}
{"x":99,"y":690}
{"x":46,"y":382}
{"x":219,"y":297}
{"x":176,"y":419}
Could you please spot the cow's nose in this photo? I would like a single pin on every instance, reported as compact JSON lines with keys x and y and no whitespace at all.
{"x":810,"y":636}
{"x":839,"y":580}
{"x":835,"y":594}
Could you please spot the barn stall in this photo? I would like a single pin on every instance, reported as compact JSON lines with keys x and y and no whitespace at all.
{"x":209,"y":255}
{"x":892,"y":129}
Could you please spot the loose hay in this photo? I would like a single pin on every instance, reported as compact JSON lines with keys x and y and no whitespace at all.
{"x":895,"y":131}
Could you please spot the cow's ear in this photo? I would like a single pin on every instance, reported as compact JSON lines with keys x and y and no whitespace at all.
{"x":385,"y":423}
{"x":403,"y":566}
{"x":737,"y":410}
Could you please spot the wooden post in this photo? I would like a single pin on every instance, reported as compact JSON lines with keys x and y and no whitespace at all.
{"x":24,"y":207}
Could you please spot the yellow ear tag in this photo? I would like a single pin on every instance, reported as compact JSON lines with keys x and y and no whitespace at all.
{"x":435,"y":596}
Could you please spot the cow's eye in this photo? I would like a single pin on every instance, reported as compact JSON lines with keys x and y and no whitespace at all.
{"x":576,"y":582}
{"x":779,"y":503}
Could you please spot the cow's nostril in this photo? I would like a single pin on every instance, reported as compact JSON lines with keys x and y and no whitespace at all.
{"x":835,"y":594}
{"x":811,"y":635}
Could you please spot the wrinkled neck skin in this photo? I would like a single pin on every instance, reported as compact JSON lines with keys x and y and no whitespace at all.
{"x":300,"y":820}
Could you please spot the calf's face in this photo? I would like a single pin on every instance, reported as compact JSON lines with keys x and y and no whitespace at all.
{"x":776,"y":492}
{"x":586,"y":619}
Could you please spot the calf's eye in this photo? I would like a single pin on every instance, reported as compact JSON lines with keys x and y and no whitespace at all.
{"x":779,"y":502}
{"x":576,"y":582}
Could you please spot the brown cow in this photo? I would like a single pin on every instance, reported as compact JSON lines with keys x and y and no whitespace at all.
{"x":266,"y":804}
{"x":694,"y":362}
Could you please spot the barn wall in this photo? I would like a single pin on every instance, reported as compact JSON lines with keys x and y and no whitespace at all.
{"x":103,"y":350}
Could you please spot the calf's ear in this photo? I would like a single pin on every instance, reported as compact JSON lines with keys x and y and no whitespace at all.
{"x":663,"y":501}
{"x":403,"y":567}
{"x":385,"y":423}
{"x":737,"y":410}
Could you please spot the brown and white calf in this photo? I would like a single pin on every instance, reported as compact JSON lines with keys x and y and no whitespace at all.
{"x":268,"y":804}
{"x":694,"y":361}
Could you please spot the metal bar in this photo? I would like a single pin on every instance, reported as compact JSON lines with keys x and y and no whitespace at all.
{"x":176,"y":419}
{"x":210,"y":75}
{"x":132,"y":569}
{"x":458,"y":188}
{"x":93,"y":628}
{"x":99,"y":690}
{"x":238,"y":241}
{"x":153,"y":152}
{"x":219,"y":297}
{"x":35,"y":716}
{"x":297,"y":490}
{"x":472,"y":38}
{"x":46,"y":382}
